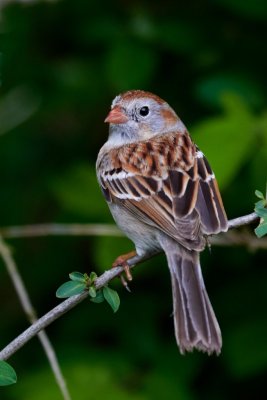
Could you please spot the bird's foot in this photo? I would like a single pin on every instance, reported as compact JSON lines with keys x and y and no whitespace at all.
{"x":122,"y":261}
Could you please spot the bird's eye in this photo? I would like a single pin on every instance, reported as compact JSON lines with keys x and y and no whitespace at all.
{"x":144,"y":111}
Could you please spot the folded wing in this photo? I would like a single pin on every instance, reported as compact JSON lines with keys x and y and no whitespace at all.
{"x":174,"y":190}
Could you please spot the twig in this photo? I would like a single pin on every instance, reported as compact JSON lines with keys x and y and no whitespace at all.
{"x":68,"y":304}
{"x":14,"y":232}
{"x":31,"y":315}
{"x":62,"y":308}
{"x":241,"y":238}
{"x":245,"y":220}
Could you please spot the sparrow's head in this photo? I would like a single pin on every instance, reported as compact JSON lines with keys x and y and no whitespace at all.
{"x":137,"y":115}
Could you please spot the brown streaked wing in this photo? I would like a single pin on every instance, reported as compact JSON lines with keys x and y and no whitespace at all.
{"x":166,"y":204}
{"x":131,"y":187}
{"x":184,"y":205}
{"x":209,"y":203}
{"x":207,"y":209}
{"x":105,"y":190}
{"x":185,"y":230}
{"x":220,"y":207}
{"x":152,"y":213}
{"x":178,"y":182}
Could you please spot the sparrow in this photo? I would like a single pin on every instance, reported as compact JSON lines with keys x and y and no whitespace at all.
{"x":163,"y":195}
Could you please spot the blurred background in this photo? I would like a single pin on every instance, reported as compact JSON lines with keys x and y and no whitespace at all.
{"x":62,"y":63}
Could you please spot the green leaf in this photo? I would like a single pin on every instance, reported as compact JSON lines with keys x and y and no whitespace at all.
{"x":92,"y":291}
{"x":99,"y":298}
{"x":70,"y":288}
{"x":92,"y":277}
{"x":261,"y":212}
{"x":259,"y":194}
{"x":112,"y":297}
{"x":77,"y":277}
{"x":261,"y":230}
{"x":7,"y":374}
{"x":260,"y":203}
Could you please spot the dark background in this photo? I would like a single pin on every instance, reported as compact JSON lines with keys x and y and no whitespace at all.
{"x":62,"y":63}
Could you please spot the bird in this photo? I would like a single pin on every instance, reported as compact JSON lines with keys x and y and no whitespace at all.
{"x":163,"y":194}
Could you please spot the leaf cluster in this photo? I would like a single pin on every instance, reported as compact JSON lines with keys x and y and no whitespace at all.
{"x":80,"y":282}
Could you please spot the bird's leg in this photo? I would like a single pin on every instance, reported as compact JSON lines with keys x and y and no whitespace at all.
{"x":122,"y":261}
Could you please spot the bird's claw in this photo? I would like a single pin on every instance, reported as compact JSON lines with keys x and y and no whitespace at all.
{"x":121,"y":261}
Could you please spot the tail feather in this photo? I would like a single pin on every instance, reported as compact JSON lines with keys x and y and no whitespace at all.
{"x":195,"y":323}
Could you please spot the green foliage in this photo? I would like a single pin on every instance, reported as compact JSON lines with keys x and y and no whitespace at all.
{"x":78,"y":192}
{"x":77,"y":277}
{"x":80,"y":282}
{"x":261,"y":210}
{"x":70,"y":288}
{"x":99,"y":297}
{"x":7,"y":374}
{"x":235,"y":131}
{"x":212,"y":89}
{"x":112,"y":297}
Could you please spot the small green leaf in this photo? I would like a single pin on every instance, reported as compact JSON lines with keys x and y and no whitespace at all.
{"x":92,"y":277}
{"x":70,"y":288}
{"x":7,"y":374}
{"x":260,"y":204}
{"x":261,"y":230}
{"x":77,"y":277}
{"x":259,"y":194}
{"x":261,"y":212}
{"x":99,"y":298}
{"x":112,"y":297}
{"x":92,"y":291}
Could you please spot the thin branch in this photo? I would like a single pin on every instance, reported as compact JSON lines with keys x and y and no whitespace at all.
{"x":62,"y":308}
{"x":71,"y":302}
{"x":245,"y":220}
{"x":31,"y":315}
{"x":54,"y":229}
{"x":242,"y":238}
{"x":14,"y":232}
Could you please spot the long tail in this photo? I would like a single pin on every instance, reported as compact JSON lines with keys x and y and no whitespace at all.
{"x":195,"y":323}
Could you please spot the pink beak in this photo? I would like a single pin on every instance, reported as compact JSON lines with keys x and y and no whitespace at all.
{"x":116,"y":116}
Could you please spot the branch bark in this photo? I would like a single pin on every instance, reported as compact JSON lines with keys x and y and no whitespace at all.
{"x":56,"y":229}
{"x":71,"y":302}
{"x":14,"y":232}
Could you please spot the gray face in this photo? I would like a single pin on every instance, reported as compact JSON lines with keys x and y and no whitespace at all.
{"x":144,"y":119}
